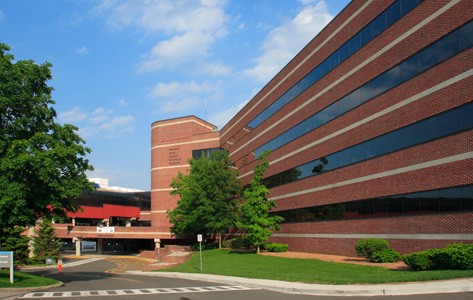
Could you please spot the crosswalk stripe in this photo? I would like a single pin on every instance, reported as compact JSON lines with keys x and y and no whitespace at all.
{"x":147,"y":291}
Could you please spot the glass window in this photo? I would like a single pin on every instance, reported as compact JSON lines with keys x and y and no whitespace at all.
{"x":448,"y":46}
{"x":393,"y":13}
{"x":428,"y":57}
{"x":410,"y":203}
{"x":466,"y":36}
{"x":411,"y":135}
{"x":467,"y":197}
{"x":410,"y":67}
{"x":429,"y":129}
{"x":366,"y":34}
{"x":344,"y":52}
{"x":449,"y":122}
{"x":334,"y":60}
{"x":467,"y":116}
{"x":324,"y":67}
{"x":395,"y":206}
{"x":450,"y":199}
{"x":367,"y":208}
{"x":379,"y":24}
{"x":394,"y":76}
{"x":407,"y":6}
{"x":354,"y":43}
{"x":395,"y":139}
{"x":380,"y":145}
{"x":380,"y":207}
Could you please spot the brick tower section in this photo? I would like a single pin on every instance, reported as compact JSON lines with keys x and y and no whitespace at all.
{"x":172,"y":143}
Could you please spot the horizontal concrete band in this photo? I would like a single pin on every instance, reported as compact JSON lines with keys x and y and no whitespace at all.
{"x":184,"y":143}
{"x":418,"y":236}
{"x":416,"y":167}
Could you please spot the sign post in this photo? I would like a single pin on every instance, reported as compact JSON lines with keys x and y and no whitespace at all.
{"x":199,"y":239}
{"x":6,"y":261}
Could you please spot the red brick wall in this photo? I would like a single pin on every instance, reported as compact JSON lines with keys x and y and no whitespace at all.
{"x":172,"y":142}
{"x":334,"y":185}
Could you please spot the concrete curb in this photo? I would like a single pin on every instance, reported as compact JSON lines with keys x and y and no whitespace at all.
{"x":31,"y":289}
{"x":392,"y":289}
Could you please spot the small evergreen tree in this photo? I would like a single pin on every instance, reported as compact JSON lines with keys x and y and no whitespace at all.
{"x":255,"y":219}
{"x":14,"y":241}
{"x":45,"y":243}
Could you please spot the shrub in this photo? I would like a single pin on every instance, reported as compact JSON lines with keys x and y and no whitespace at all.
{"x":452,"y":257}
{"x":461,"y":256}
{"x":226,"y":244}
{"x":385,"y":256}
{"x":205,"y":246}
{"x":276,"y":247}
{"x":366,"y":247}
{"x":418,"y":261}
{"x":239,"y":242}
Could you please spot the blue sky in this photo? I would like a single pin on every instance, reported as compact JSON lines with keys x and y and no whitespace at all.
{"x":119,"y":66}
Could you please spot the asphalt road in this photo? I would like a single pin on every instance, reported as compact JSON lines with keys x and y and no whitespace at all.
{"x":105,"y":278}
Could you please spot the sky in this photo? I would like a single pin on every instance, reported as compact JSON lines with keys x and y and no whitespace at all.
{"x":120,"y":65}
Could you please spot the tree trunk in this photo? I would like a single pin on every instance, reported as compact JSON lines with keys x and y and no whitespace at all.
{"x":219,"y":240}
{"x":257,"y":249}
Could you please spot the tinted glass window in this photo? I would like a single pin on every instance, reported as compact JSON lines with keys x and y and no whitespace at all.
{"x":366,"y":34}
{"x":394,"y":76}
{"x":412,"y":135}
{"x":379,"y":24}
{"x":429,"y":129}
{"x":467,"y":116}
{"x":449,"y":122}
{"x":354,"y":44}
{"x":428,"y":57}
{"x":410,"y":67}
{"x":407,"y":5}
{"x":393,"y":13}
{"x":466,"y":36}
{"x":448,"y":46}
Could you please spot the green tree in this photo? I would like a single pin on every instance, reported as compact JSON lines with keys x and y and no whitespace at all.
{"x":208,"y":201}
{"x":14,"y":241}
{"x":45,"y":242}
{"x":42,"y":163}
{"x":255,"y":219}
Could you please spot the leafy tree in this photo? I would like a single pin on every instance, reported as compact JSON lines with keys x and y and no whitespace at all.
{"x":255,"y":219}
{"x":45,"y":242}
{"x":42,"y":163}
{"x":208,"y":196}
{"x":14,"y":241}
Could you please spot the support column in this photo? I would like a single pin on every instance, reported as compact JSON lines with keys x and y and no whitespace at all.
{"x":78,"y":242}
{"x":157,"y":243}
{"x":99,"y":246}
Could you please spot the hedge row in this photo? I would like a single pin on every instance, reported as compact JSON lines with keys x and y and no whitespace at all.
{"x":452,"y":257}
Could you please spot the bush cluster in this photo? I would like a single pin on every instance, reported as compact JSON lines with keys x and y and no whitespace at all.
{"x":236,"y":243}
{"x":376,"y":250}
{"x":276,"y":247}
{"x":453,"y":257}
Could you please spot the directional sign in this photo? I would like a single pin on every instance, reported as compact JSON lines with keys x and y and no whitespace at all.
{"x":6,"y":261}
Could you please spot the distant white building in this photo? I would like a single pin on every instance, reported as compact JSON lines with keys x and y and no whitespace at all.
{"x":103,"y":186}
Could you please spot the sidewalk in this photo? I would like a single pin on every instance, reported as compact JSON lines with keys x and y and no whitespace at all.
{"x":391,"y":289}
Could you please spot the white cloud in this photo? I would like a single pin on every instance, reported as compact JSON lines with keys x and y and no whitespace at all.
{"x":214,"y":69}
{"x":283,"y":42}
{"x":188,"y":28}
{"x":82,"y":50}
{"x":101,"y":121}
{"x":222,"y":117}
{"x":72,"y":116}
{"x":182,"y":96}
{"x":122,"y":102}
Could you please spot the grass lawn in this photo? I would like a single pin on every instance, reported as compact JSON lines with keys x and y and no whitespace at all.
{"x":22,"y":280}
{"x":250,"y":265}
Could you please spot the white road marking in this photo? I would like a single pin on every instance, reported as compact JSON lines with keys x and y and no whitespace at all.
{"x":148,"y":291}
